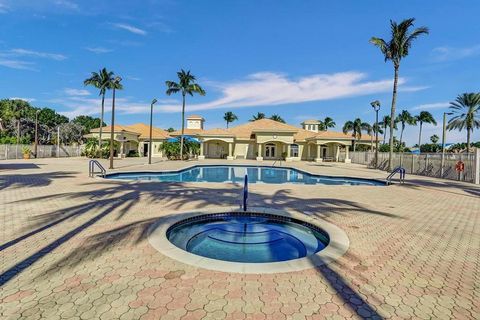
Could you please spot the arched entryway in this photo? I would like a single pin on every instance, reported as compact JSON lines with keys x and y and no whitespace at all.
{"x":216,"y":149}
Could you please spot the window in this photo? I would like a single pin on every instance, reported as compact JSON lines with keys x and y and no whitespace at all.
{"x":294,"y":150}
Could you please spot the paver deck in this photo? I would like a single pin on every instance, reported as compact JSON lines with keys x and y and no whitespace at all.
{"x":73,"y":247}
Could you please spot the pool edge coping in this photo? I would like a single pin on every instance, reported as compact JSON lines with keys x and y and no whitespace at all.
{"x":378,"y":180}
{"x":337,"y":247}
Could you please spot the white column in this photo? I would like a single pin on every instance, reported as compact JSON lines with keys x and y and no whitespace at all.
{"x":308,"y":151}
{"x":202,"y":151}
{"x":347,"y":157}
{"x":337,"y":153}
{"x":319,"y":155}
{"x":259,"y":151}
{"x":230,"y":151}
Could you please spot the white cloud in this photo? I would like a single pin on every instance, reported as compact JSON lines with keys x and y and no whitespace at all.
{"x":133,"y":78}
{"x":67,"y":4}
{"x":98,"y":50}
{"x":78,"y":105}
{"x":130,"y":28}
{"x":3,"y":8}
{"x":16,"y":64}
{"x":24,"y":99}
{"x":436,"y":105}
{"x":39,"y":54}
{"x":76,"y":92}
{"x":441,"y":54}
{"x":269,"y":89}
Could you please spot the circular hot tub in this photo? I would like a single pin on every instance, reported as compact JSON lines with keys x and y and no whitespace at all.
{"x":261,"y":240}
{"x":247,"y":237}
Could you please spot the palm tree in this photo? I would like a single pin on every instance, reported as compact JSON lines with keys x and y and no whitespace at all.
{"x":258,"y":116}
{"x":276,"y":117}
{"x":394,"y":50}
{"x":327,"y":123}
{"x":114,"y":84}
{"x":466,"y":114}
{"x":356,"y":128}
{"x":230,"y":117}
{"x":101,"y":80}
{"x":186,"y":85}
{"x":385,"y":123}
{"x":369,"y":129}
{"x":378,"y":128}
{"x":424,"y":117}
{"x":405,"y":118}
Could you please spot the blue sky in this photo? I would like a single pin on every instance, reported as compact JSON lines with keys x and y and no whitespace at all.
{"x":299,"y":59}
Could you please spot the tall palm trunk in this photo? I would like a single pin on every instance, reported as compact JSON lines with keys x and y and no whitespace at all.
{"x":101,"y":124}
{"x":468,"y":140}
{"x":112,"y":141}
{"x":392,"y":117}
{"x":183,"y":126}
{"x":371,"y":142}
{"x":385,"y":134}
{"x":401,"y":138}
{"x":420,"y":135}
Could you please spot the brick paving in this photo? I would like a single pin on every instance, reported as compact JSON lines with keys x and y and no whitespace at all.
{"x":76,"y":248}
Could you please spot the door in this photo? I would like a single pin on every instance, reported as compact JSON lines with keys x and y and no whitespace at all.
{"x":145,"y":149}
{"x":270,"y":151}
{"x":324,"y":152}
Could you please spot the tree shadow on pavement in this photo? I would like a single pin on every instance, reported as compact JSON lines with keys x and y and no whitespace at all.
{"x":32,"y":180}
{"x":117,"y":199}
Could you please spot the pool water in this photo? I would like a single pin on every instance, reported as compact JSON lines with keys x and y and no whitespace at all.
{"x":256,"y":174}
{"x":253,"y":238}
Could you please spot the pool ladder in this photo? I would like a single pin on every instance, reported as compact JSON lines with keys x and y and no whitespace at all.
{"x":91,"y":168}
{"x":401,"y":171}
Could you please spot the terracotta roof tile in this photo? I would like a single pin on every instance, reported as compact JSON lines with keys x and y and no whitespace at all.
{"x":144,"y":131}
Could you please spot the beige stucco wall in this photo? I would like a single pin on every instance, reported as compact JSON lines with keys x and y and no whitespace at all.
{"x":155,"y":146}
{"x":244,"y":149}
{"x":277,"y":137}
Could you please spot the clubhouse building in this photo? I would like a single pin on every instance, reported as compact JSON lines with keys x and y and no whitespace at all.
{"x":262,"y":139}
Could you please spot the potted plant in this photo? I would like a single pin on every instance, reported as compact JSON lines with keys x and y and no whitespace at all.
{"x":26,"y":152}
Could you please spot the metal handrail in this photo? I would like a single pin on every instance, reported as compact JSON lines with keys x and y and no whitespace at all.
{"x":91,"y":168}
{"x":245,"y":193}
{"x":273,"y":165}
{"x":401,"y":171}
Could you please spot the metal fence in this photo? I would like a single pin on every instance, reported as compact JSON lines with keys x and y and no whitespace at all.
{"x":14,"y":151}
{"x":425,"y":164}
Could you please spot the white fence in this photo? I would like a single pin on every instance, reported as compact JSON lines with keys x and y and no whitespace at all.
{"x":14,"y":151}
{"x":426,"y":164}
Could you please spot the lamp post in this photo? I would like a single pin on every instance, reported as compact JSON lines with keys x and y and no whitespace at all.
{"x":150,"y":140}
{"x":115,"y":82}
{"x":376,"y":106}
{"x":444,"y":133}
{"x":36,"y":133}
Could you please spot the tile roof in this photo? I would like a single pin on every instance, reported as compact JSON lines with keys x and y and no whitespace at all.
{"x":189,"y":132}
{"x":311,"y":121}
{"x":144,"y":131}
{"x":195,"y":116}
{"x":116,"y":128}
{"x":140,"y":129}
{"x":218,"y":132}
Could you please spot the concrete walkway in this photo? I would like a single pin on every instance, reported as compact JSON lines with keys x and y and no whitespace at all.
{"x":74,"y":247}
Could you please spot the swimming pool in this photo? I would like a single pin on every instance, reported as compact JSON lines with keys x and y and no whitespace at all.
{"x":256,"y":174}
{"x":247,"y":237}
